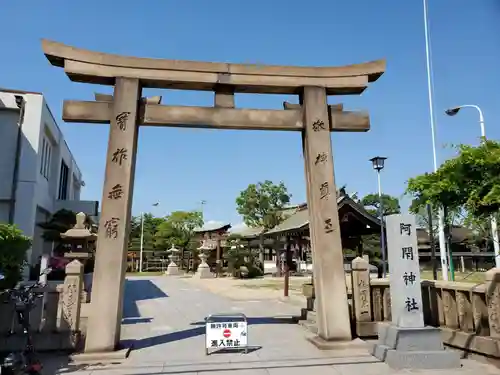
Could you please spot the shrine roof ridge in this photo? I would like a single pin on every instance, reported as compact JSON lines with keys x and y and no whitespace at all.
{"x":101,"y":68}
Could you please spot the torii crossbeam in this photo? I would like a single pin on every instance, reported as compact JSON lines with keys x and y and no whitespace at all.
{"x":126,"y":110}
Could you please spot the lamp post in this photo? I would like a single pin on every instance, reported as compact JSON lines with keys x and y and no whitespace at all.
{"x":442,"y":240}
{"x":142,"y":237}
{"x":202,"y":206}
{"x":378,"y":165}
{"x":494,"y":228}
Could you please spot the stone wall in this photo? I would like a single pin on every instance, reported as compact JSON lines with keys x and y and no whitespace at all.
{"x":55,"y":320}
{"x":468,"y":314}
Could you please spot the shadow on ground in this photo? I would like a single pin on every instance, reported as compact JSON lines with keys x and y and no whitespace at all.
{"x":138,"y":290}
{"x":199,"y":330}
{"x":249,"y":349}
{"x":58,"y":363}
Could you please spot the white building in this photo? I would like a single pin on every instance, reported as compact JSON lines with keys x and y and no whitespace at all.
{"x":38,"y":174}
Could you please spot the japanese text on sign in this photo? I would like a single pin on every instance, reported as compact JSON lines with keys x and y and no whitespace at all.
{"x":119,"y":156}
{"x":407,"y":252}
{"x":225,"y":343}
{"x":324,"y":190}
{"x":111,"y":227}
{"x":318,"y":125}
{"x":321,"y":158}
{"x":226,"y":335}
{"x":411,"y":304}
{"x":121,"y":120}
{"x":404,"y":280}
{"x":409,"y":278}
{"x":116,"y":192}
{"x":328,"y":226}
{"x":405,"y":229}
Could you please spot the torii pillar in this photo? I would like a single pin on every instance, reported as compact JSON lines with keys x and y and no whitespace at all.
{"x":103,"y":331}
{"x":333,"y":320}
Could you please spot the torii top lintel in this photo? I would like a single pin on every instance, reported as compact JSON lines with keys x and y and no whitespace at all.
{"x":102,"y":68}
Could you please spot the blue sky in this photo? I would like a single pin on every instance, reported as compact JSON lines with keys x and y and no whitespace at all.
{"x":181,"y":167}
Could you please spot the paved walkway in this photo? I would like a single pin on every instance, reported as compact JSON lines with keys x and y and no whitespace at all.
{"x":163,"y":320}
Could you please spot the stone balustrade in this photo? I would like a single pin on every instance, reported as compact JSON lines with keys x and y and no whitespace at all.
{"x":55,"y":319}
{"x":468,"y":314}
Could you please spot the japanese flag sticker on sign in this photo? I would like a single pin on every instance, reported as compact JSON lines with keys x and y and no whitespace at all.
{"x":226,"y":335}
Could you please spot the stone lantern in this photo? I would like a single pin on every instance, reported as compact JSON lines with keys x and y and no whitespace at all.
{"x":79,"y":237}
{"x":173,"y":268}
{"x":203,"y":271}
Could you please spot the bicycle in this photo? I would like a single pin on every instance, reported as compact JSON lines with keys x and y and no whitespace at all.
{"x":24,"y":298}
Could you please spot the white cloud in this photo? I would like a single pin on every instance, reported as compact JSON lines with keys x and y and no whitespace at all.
{"x":238,"y":227}
{"x":214,"y":223}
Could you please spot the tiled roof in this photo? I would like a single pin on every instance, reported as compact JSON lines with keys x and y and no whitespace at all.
{"x":210,"y":227}
{"x":300,"y":219}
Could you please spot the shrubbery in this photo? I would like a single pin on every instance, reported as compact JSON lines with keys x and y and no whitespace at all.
{"x":240,"y":256}
{"x":13,"y":247}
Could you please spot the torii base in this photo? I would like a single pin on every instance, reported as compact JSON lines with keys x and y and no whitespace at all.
{"x":357,"y":344}
{"x":101,"y":357}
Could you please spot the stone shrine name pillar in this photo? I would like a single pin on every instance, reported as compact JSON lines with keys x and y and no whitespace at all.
{"x":406,"y":342}
{"x":328,"y":261}
{"x":103,"y":331}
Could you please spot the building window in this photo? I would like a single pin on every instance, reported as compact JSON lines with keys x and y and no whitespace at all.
{"x":63,"y":181}
{"x":46,"y":158}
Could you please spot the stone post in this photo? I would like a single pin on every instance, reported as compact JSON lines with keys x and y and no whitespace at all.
{"x":493,"y":301}
{"x":72,"y":297}
{"x":406,"y":342}
{"x":333,"y":318}
{"x":103,"y":332}
{"x":361,"y":291}
{"x":52,"y":300}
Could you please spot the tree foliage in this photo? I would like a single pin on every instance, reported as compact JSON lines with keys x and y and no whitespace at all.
{"x":177,"y":229}
{"x":59,"y":222}
{"x":261,"y":204}
{"x":151,"y":224}
{"x":371,"y":242}
{"x":469,"y":182}
{"x":390,"y":204}
{"x":13,"y":247}
{"x":238,"y":254}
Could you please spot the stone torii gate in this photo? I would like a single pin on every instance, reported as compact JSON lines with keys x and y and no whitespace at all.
{"x":126,"y":110}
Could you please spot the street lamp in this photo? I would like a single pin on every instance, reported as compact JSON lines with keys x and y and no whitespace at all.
{"x":378,"y":165}
{"x":455,"y":110}
{"x":202,"y":204}
{"x":142,"y":236}
{"x":494,"y":230}
{"x":430,"y":86}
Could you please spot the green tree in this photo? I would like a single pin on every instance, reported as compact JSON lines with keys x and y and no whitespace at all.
{"x":177,"y":229}
{"x":239,"y":254}
{"x":390,"y":204}
{"x":60,"y":222}
{"x":261,"y":204}
{"x":371,"y":242}
{"x":151,"y":225}
{"x":13,"y":247}
{"x":469,"y":182}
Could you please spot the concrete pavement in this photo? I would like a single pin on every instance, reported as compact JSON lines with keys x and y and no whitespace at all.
{"x":164,"y":322}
